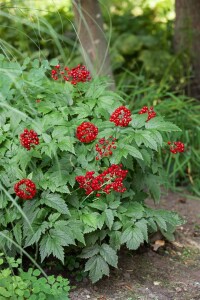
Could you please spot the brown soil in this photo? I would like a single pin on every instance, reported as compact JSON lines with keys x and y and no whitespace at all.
{"x":170,"y":273}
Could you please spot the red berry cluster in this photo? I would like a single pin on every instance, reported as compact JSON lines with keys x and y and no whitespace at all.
{"x":176,"y":147}
{"x":121,"y":116}
{"x":29,"y":138}
{"x":86,"y":132}
{"x":25,"y":189}
{"x":110,"y":179}
{"x":104,"y":147}
{"x":74,"y":75}
{"x":150,"y":111}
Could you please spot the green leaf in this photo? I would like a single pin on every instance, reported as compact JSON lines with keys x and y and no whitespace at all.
{"x":138,"y":121}
{"x":54,"y":62}
{"x":126,"y":235}
{"x":135,"y":210}
{"x":64,"y":236}
{"x":133,"y":237}
{"x":55,"y":201}
{"x":115,"y":239}
{"x":109,"y":218}
{"x":146,"y":138}
{"x":152,"y":224}
{"x":98,"y":205}
{"x":101,"y":221}
{"x":97,"y":267}
{"x":160,"y":222}
{"x":136,"y":239}
{"x":40,"y":228}
{"x":153,"y":184}
{"x":142,"y":225}
{"x":90,"y":251}
{"x":67,"y":144}
{"x":46,"y":137}
{"x":161,"y":125}
{"x":17,"y":231}
{"x":109,"y":255}
{"x":133,"y":151}
{"x":90,"y":219}
{"x":51,"y":245}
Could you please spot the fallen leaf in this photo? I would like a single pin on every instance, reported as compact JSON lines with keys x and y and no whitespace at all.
{"x":182,"y":200}
{"x":156,"y":282}
{"x":158,"y":244}
{"x":177,"y":244}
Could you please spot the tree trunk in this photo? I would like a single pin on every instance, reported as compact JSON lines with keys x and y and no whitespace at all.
{"x":187,"y":38}
{"x":94,"y":46}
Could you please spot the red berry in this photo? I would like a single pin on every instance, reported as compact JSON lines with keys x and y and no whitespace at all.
{"x":149,"y":111}
{"x":74,"y":75}
{"x":176,"y":147}
{"x":104,"y":147}
{"x":121,"y":116}
{"x":29,"y":139}
{"x":25,"y":189}
{"x":110,"y":179}
{"x":86,"y":132}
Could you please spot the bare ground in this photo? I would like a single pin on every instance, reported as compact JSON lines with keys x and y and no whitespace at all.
{"x":170,"y":273}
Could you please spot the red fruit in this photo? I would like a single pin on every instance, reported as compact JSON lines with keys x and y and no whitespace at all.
{"x":29,"y":139}
{"x":104,"y":147}
{"x":74,"y":75}
{"x":25,"y":189}
{"x":149,"y":111}
{"x":121,"y":116}
{"x":86,"y":132}
{"x":110,"y":179}
{"x":176,"y":147}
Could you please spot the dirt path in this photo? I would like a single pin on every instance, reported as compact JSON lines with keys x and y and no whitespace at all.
{"x":170,"y":273}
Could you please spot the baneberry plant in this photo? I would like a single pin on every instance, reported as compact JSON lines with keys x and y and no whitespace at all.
{"x":90,"y":165}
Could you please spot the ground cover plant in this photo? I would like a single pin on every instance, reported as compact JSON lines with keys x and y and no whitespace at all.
{"x":28,"y":285}
{"x":77,"y":166}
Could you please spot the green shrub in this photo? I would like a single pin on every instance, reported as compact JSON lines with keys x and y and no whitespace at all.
{"x":29,"y":285}
{"x":61,"y":216}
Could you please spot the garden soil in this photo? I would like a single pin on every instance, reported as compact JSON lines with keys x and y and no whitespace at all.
{"x":159,"y":271}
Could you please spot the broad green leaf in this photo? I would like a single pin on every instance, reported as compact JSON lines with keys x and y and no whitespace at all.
{"x":51,"y":245}
{"x":160,"y":222}
{"x":115,"y":239}
{"x":142,"y":225}
{"x":145,"y":137}
{"x":38,"y":231}
{"x":109,"y":217}
{"x":90,"y":219}
{"x":67,"y":144}
{"x":90,"y":251}
{"x":126,"y":235}
{"x":109,"y":255}
{"x":64,"y":235}
{"x":17,"y":231}
{"x":138,"y":121}
{"x":152,"y":224}
{"x":55,"y":201}
{"x":98,"y":205}
{"x":101,"y":221}
{"x":136,"y":239}
{"x":161,"y":125}
{"x":135,"y":210}
{"x":97,"y":267}
{"x":133,"y":151}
